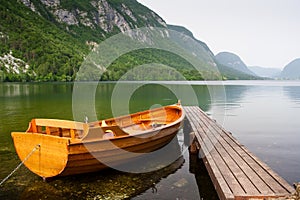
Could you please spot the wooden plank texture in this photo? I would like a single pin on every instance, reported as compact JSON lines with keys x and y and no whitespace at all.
{"x":236,"y":173}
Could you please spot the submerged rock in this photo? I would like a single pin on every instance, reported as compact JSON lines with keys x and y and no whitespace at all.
{"x":295,"y":195}
{"x":181,"y":183}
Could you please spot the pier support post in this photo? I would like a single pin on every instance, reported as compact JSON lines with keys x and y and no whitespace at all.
{"x":194,"y":146}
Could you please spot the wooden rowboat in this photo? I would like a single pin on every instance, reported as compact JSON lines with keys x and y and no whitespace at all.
{"x":58,"y":147}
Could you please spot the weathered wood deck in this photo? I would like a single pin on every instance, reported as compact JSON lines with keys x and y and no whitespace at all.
{"x":235,"y":172}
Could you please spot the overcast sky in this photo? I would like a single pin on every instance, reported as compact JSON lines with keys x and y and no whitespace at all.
{"x":262,"y":32}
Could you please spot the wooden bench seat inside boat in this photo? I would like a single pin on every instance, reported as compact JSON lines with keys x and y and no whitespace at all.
{"x":61,"y":128}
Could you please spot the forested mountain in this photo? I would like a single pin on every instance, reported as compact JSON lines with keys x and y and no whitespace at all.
{"x":53,"y":36}
{"x":47,"y":40}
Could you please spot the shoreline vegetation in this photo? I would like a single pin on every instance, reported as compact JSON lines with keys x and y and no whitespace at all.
{"x":148,"y":73}
{"x":142,"y":65}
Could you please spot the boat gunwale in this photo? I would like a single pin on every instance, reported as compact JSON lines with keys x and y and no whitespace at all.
{"x":141,"y":133}
{"x":82,"y":141}
{"x":75,"y":141}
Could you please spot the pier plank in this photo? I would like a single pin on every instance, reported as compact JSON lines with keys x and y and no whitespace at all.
{"x":260,"y":167}
{"x":218,"y":158}
{"x":242,"y":160}
{"x":236,"y":173}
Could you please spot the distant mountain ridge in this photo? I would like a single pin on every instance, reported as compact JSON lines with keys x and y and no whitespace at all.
{"x":292,"y":70}
{"x":233,"y":61}
{"x":207,"y":55}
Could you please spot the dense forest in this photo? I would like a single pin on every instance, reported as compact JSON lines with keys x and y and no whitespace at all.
{"x":36,"y":46}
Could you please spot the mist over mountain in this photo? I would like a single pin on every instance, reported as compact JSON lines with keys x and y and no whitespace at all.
{"x":265,"y":72}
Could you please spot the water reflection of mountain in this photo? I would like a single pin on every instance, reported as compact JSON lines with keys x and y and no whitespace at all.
{"x":226,"y":97}
{"x":164,"y":94}
{"x":236,"y":92}
{"x":203,"y":96}
{"x":293,"y":92}
{"x":13,"y":89}
{"x":25,"y":89}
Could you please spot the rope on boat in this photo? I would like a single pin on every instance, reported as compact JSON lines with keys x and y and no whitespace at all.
{"x":28,"y":156}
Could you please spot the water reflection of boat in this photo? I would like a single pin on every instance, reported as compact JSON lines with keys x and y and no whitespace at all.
{"x":109,"y":183}
{"x":67,"y":147}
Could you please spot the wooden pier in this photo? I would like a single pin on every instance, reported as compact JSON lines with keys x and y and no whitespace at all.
{"x":235,"y":172}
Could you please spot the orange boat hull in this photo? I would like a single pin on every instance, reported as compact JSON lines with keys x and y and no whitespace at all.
{"x":61,"y":155}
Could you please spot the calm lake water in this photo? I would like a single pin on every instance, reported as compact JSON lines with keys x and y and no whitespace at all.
{"x":264,"y":116}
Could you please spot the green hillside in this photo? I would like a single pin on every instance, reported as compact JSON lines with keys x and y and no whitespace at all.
{"x":47,"y":40}
{"x":48,"y":49}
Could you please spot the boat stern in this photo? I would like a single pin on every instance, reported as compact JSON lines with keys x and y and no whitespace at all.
{"x":44,"y":155}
